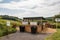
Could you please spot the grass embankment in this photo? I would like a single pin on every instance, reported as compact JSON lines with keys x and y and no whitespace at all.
{"x":3,"y":27}
{"x":55,"y":36}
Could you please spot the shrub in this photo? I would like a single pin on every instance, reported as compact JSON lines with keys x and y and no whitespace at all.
{"x":12,"y":30}
{"x":1,"y":33}
{"x":5,"y":31}
{"x":3,"y":28}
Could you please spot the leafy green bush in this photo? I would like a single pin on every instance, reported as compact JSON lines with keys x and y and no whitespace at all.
{"x":1,"y":33}
{"x":12,"y":30}
{"x":6,"y":31}
{"x":57,"y":25}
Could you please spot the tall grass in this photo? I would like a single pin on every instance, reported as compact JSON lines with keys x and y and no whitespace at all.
{"x":4,"y":30}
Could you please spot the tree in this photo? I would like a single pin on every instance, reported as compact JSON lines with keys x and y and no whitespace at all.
{"x":57,"y":16}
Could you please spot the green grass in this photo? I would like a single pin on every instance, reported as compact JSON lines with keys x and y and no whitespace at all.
{"x":3,"y":22}
{"x":3,"y":27}
{"x":55,"y":36}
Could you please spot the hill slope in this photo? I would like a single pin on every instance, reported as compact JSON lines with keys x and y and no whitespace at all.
{"x":6,"y":17}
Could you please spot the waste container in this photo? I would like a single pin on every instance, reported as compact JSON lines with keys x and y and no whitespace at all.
{"x":33,"y":29}
{"x":22,"y":28}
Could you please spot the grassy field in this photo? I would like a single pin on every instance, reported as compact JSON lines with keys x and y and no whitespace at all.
{"x":2,"y":21}
{"x":55,"y":36}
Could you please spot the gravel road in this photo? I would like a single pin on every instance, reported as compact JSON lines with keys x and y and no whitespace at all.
{"x":25,"y":36}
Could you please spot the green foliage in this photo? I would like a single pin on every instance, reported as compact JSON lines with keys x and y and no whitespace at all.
{"x":57,"y":25}
{"x":12,"y":30}
{"x":10,"y":18}
{"x":55,"y":36}
{"x":57,"y":16}
{"x":1,"y":33}
{"x":53,"y":18}
{"x":4,"y":30}
{"x":49,"y":18}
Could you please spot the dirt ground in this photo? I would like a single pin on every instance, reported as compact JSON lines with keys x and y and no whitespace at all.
{"x":50,"y":30}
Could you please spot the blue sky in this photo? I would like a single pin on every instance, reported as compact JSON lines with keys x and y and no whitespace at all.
{"x":29,"y":8}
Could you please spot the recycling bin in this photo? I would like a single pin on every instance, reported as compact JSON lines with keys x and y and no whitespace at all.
{"x":33,"y":29}
{"x":22,"y":28}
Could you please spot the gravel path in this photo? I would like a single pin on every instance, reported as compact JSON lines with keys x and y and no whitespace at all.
{"x":25,"y":36}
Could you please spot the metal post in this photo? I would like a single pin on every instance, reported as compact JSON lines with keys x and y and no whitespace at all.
{"x":8,"y":25}
{"x":7,"y":33}
{"x":56,"y":25}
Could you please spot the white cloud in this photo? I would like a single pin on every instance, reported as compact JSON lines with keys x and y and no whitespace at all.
{"x":28,"y":3}
{"x":34,"y":7}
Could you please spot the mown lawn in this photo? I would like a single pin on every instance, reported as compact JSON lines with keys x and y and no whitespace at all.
{"x":55,"y":36}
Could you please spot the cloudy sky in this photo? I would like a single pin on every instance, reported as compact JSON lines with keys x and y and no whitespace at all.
{"x":29,"y":8}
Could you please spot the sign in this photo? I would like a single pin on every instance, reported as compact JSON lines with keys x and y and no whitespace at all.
{"x":25,"y":23}
{"x":8,"y":23}
{"x":33,"y":23}
{"x":57,"y":19}
{"x":44,"y":23}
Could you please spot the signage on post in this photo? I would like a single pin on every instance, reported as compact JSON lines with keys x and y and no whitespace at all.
{"x":8,"y":23}
{"x":57,"y":19}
